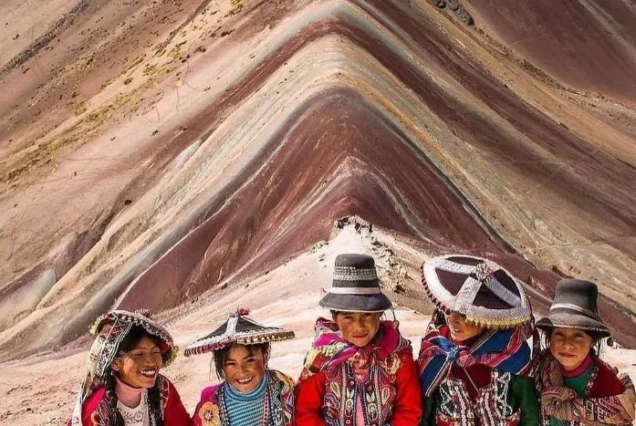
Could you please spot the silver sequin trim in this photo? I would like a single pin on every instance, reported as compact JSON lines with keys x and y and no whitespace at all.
{"x":350,"y":273}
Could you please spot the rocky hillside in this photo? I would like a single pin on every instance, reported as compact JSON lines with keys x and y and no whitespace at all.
{"x":151,"y":151}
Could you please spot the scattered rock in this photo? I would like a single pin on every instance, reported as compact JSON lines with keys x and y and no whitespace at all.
{"x":127,"y":202}
{"x":455,"y":6}
{"x":452,"y":4}
{"x":464,"y":16}
{"x":559,"y":272}
{"x":399,"y":288}
{"x":155,"y":132}
{"x":341,"y":223}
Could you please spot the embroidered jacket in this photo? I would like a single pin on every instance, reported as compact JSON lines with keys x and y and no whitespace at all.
{"x":608,"y":399}
{"x":331,"y":387}
{"x":96,"y":409}
{"x":278,"y":408}
{"x":485,"y":382}
{"x":480,"y":395}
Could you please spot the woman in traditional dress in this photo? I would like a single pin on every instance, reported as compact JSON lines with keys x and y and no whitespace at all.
{"x":360,"y":370}
{"x":123,"y":386}
{"x":250,"y":394}
{"x":474,"y":361}
{"x":576,"y":386}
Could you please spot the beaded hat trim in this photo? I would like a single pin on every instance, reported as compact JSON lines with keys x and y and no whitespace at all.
{"x":479,"y":276}
{"x":351,"y":273}
{"x":237,"y":329}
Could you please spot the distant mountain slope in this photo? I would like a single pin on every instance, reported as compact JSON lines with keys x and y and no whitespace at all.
{"x":151,"y":151}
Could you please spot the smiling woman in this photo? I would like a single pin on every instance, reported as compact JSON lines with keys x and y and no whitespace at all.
{"x":139,"y":359}
{"x":357,"y":327}
{"x":359,"y":370}
{"x":251,"y":393}
{"x":475,"y":363}
{"x":575,"y":383}
{"x":242,"y":366}
{"x":123,"y":386}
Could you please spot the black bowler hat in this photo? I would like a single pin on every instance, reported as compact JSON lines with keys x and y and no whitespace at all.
{"x":355,"y":286}
{"x":575,"y":306}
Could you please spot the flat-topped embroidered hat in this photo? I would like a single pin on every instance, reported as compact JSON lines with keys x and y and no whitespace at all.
{"x":355,"y":286}
{"x":237,"y":329}
{"x":575,"y":306}
{"x":480,"y":289}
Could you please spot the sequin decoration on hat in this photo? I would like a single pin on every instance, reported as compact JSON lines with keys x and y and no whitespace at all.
{"x":238,"y":328}
{"x":478,"y":288}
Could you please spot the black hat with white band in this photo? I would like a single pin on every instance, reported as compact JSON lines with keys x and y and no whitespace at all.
{"x":575,"y":306}
{"x":355,"y":286}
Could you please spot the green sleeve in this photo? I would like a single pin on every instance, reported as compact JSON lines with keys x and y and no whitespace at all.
{"x":428,"y":419}
{"x":525,"y":398}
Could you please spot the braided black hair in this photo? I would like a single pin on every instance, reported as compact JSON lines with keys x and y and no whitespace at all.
{"x":154,"y":406}
{"x":116,"y":418}
{"x":131,"y":341}
{"x":438,"y":318}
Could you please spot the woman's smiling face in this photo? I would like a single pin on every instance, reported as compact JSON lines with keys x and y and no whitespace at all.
{"x":570,"y":346}
{"x":461,"y":330}
{"x":358,"y":328}
{"x":139,"y":366}
{"x":244,"y":367}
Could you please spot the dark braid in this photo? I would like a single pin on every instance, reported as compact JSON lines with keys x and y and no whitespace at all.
{"x":116,"y":418}
{"x":154,"y":405}
{"x":438,"y":319}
